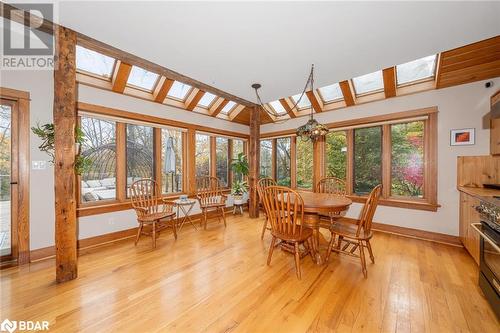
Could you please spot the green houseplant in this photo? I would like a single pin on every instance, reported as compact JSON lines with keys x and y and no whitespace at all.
{"x":46,"y":134}
{"x":240,"y":168}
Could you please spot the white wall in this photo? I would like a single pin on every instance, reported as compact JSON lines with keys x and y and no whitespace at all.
{"x":459,"y":107}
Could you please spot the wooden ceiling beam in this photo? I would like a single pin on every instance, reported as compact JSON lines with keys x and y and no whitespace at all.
{"x":389,"y":75}
{"x":217,"y":109}
{"x":348,"y":92}
{"x":193,"y":99}
{"x":120,"y":76}
{"x":315,"y":100}
{"x":236,"y":111}
{"x":162,"y":89}
{"x":287,"y":108}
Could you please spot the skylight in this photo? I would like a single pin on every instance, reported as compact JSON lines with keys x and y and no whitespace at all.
{"x":416,"y":70}
{"x":368,"y":83}
{"x":304,"y":101}
{"x":94,"y":62}
{"x":207,"y":100}
{"x":277,"y":107}
{"x":229,"y":106}
{"x":142,"y":78}
{"x":331,"y":93}
{"x":179,"y":90}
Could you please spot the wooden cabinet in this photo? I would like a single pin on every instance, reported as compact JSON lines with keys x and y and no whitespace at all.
{"x":468,"y":214}
{"x":495,"y":137}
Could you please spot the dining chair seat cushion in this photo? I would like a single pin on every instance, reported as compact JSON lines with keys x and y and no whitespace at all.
{"x":344,"y":227}
{"x":213,"y":205}
{"x":155,"y":216}
{"x":295,"y":237}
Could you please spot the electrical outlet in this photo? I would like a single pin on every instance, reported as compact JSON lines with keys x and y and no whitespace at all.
{"x":38,"y":165}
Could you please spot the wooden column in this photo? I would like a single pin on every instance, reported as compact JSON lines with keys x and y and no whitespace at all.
{"x":64,"y":125}
{"x":254,"y":161}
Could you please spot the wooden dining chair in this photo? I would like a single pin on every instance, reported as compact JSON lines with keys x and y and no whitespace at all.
{"x":285,"y":209}
{"x":210,"y":196}
{"x":333,"y":186}
{"x":261,"y":185}
{"x":356,"y":236}
{"x":151,"y":209}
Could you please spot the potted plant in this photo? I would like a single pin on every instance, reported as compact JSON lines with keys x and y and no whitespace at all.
{"x":240,"y":168}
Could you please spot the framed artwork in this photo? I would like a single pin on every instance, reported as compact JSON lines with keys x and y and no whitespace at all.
{"x":462,"y":137}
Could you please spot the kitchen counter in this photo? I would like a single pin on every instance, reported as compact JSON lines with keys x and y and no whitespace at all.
{"x":481,"y":193}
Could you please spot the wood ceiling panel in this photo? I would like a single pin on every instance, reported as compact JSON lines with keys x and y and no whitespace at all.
{"x":244,"y":117}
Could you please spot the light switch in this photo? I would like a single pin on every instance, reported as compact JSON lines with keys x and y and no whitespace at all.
{"x":38,"y":165}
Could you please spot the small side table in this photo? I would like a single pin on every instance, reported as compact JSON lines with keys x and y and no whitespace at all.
{"x":185,"y":206}
{"x":238,"y":207}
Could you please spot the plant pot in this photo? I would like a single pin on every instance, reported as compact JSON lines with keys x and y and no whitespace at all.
{"x":238,"y":198}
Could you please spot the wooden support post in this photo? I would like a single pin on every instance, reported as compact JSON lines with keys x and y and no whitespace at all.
{"x":64,"y":167}
{"x":254,"y":161}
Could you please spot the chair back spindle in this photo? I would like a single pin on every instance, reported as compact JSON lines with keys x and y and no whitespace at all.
{"x":209,"y":190}
{"x":285,"y":209}
{"x":331,"y":185}
{"x":144,"y":197}
{"x":368,"y":211}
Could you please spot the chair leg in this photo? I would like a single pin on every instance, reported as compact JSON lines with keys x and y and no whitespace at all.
{"x":330,"y":247}
{"x":224,"y":215}
{"x":339,"y":242}
{"x":174,"y":226}
{"x":154,"y":235}
{"x":312,"y":251}
{"x":271,"y":248}
{"x":363,"y":260}
{"x":297,"y":260}
{"x":139,"y":230}
{"x":205,"y":218}
{"x":370,"y":251}
{"x":264,"y":227}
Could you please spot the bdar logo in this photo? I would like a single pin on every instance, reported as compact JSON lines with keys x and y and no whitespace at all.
{"x":8,"y":325}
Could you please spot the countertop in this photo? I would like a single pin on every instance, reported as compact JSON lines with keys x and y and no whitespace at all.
{"x":485,"y":194}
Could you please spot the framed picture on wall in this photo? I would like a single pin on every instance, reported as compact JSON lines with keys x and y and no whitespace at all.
{"x":462,"y":137}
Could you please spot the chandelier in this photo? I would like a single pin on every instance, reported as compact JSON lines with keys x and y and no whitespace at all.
{"x":312,"y":130}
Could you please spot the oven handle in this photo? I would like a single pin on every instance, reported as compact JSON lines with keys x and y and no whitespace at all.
{"x":486,"y":238}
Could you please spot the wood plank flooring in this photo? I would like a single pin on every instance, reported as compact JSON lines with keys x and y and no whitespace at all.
{"x":217,"y":281}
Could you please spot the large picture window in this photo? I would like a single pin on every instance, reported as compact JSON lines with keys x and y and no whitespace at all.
{"x":367,"y":159}
{"x":140,"y":153}
{"x":266,"y":159}
{"x":283,"y":172}
{"x":304,"y":164}
{"x":238,"y":148}
{"x":221,"y":157}
{"x":202,"y":155}
{"x":171,"y":159}
{"x":336,"y":154}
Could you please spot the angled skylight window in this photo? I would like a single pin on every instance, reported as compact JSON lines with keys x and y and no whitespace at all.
{"x":416,"y":70}
{"x":207,"y":100}
{"x":303,"y":103}
{"x":229,"y":106}
{"x":368,"y":83}
{"x":179,"y":90}
{"x":277,"y":107}
{"x":142,"y":78}
{"x":331,"y":93}
{"x":94,"y":62}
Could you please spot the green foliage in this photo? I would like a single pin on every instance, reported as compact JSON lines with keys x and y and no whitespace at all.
{"x":239,"y":187}
{"x":336,"y":154}
{"x":46,"y":133}
{"x":240,"y":165}
{"x":305,"y":164}
{"x":367,"y":159}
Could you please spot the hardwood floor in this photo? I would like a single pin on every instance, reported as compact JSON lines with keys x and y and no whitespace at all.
{"x":217,"y":281}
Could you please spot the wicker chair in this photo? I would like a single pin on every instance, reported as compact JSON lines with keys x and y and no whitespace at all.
{"x":210,"y":196}
{"x":333,"y":186}
{"x":151,"y":209}
{"x":261,"y":185}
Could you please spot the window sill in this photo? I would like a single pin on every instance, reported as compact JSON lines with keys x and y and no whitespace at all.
{"x":400,"y":203}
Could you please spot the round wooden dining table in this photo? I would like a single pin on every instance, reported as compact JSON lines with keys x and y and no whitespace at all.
{"x":324,"y":204}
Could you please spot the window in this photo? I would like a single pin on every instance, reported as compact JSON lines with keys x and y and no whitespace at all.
{"x":407,"y":165}
{"x":367,"y":159}
{"x":221,"y":159}
{"x":207,"y":100}
{"x":304,"y":164}
{"x":336,"y":154}
{"x":283,"y":172}
{"x":368,"y":83}
{"x":140,"y":153}
{"x":93,"y":62}
{"x":99,"y":182}
{"x":171,"y":161}
{"x":304,"y":102}
{"x":266,"y":159}
{"x":179,"y":90}
{"x":331,"y":93}
{"x":237,"y":149}
{"x":228,"y":107}
{"x":416,"y":70}
{"x":142,"y":78}
{"x":277,"y":107}
{"x":202,"y":155}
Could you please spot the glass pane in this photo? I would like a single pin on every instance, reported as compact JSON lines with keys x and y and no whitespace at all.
{"x":229,"y":106}
{"x":266,"y":158}
{"x":304,"y":101}
{"x":367,"y":159}
{"x":140,"y":153}
{"x":407,"y":159}
{"x":179,"y":90}
{"x":221,"y":154}
{"x":368,"y":83}
{"x":202,"y":155}
{"x":237,"y":149}
{"x":93,"y":62}
{"x":142,"y":78}
{"x":283,"y":177}
{"x":99,"y":183}
{"x":171,"y":159}
{"x":5,"y":179}
{"x":206,"y":100}
{"x":416,"y":70}
{"x":277,"y":107}
{"x":336,"y":154}
{"x":304,"y":164}
{"x":331,"y":93}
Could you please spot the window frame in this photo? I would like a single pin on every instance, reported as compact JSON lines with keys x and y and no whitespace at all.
{"x":133,"y":86}
{"x":419,"y":81}
{"x":325,"y":102}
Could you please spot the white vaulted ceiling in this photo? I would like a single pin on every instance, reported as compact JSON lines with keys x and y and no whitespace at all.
{"x":232,"y":44}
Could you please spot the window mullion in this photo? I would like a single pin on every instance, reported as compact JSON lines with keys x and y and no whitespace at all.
{"x":121,"y":161}
{"x":293,"y":162}
{"x":213,"y":157}
{"x":350,"y":162}
{"x":157,"y":165}
{"x":386,"y":161}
